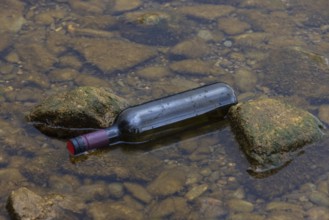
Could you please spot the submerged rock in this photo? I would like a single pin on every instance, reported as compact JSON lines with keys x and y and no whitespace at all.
{"x":25,"y":204}
{"x":168,"y":182}
{"x":297,"y":71}
{"x":111,"y":55}
{"x":155,"y":28}
{"x":271,"y":132}
{"x":75,"y":112}
{"x":111,"y":210}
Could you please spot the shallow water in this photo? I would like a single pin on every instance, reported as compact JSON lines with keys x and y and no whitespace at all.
{"x":272,"y":48}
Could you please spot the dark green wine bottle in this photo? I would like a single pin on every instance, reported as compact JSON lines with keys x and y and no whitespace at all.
{"x":157,"y":118}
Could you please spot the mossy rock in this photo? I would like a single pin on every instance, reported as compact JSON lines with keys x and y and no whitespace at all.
{"x":271,"y":133}
{"x":75,"y":112}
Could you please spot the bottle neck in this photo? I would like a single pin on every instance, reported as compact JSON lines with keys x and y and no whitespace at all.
{"x":113,"y":134}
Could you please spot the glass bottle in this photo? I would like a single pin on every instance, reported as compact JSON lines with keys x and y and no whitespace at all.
{"x":160,"y":117}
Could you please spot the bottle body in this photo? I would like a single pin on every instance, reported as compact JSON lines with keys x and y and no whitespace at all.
{"x":159,"y":117}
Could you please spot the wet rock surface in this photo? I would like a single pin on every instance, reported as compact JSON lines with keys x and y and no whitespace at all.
{"x":271,"y":132}
{"x":78,"y":111}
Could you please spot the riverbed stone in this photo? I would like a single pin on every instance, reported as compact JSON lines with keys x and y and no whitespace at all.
{"x":112,"y":210}
{"x":10,"y":178}
{"x":11,"y":16}
{"x":168,"y":182}
{"x":111,"y":55}
{"x":239,"y":205}
{"x":232,"y":26}
{"x":5,"y":41}
{"x":319,"y":198}
{"x":154,"y":27}
{"x":286,"y":206}
{"x":196,"y":191}
{"x":271,"y":132}
{"x":318,"y":213}
{"x":211,"y":208}
{"x":35,"y":56}
{"x":154,"y":72}
{"x":246,"y":216}
{"x":206,"y":11}
{"x":26,"y":204}
{"x":245,"y":80}
{"x":192,"y":48}
{"x":66,"y":114}
{"x":196,"y":67}
{"x":138,"y":192}
{"x":175,"y":207}
{"x":324,"y":113}
{"x":116,"y":190}
{"x":126,"y":5}
{"x":297,"y":71}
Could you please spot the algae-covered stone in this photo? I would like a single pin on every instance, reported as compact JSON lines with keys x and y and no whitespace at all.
{"x":78,"y":111}
{"x":271,"y":132}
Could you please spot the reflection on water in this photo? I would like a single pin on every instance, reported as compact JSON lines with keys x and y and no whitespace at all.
{"x":145,"y":49}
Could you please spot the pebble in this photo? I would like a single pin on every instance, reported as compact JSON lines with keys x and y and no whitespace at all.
{"x":323,"y":187}
{"x":228,"y":43}
{"x":10,"y":179}
{"x":116,"y":190}
{"x":324,"y":113}
{"x":168,"y":182}
{"x":133,"y":203}
{"x":196,"y":67}
{"x":211,"y":208}
{"x":246,"y":216}
{"x":283,"y":206}
{"x":138,"y":192}
{"x":192,"y":48}
{"x":60,"y":75}
{"x":239,"y":205}
{"x":284,"y":216}
{"x":196,"y":191}
{"x":70,"y":61}
{"x":318,"y":213}
{"x":93,"y":191}
{"x":206,"y":11}
{"x":175,"y":207}
{"x":245,"y":80}
{"x":193,"y":177}
{"x":104,"y":210}
{"x":64,"y":183}
{"x":205,"y":35}
{"x":319,"y":198}
{"x":232,"y":26}
{"x":126,"y":5}
{"x":154,"y":72}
